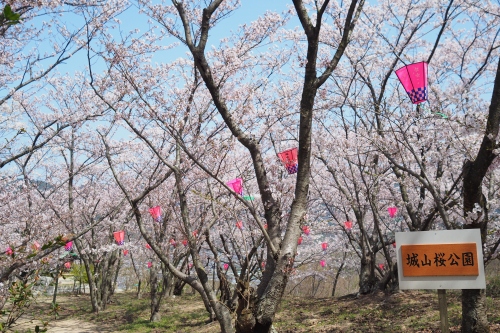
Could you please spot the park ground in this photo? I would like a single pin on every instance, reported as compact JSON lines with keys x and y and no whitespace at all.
{"x":408,"y":311}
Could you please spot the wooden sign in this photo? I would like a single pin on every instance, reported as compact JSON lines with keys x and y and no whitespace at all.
{"x":444,"y":259}
{"x":459,"y":259}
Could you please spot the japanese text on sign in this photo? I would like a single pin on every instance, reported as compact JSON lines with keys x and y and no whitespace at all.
{"x":440,"y":260}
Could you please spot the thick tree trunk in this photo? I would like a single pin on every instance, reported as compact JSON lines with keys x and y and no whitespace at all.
{"x":473,"y":301}
{"x":367,"y":280}
{"x":474,"y":311}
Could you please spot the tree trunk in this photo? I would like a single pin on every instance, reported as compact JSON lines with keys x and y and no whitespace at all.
{"x":367,"y":279}
{"x":337,"y":275}
{"x":474,"y":311}
{"x":474,"y":318}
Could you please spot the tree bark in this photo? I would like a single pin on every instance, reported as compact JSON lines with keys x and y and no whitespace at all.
{"x":474,"y":318}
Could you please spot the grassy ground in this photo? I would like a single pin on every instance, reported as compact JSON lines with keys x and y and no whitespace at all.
{"x":409,"y":311}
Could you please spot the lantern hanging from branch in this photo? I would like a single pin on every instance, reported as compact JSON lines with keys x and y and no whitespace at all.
{"x":148,"y":246}
{"x":414,"y":80}
{"x":381,"y":266}
{"x":324,"y":246}
{"x":265,"y":226}
{"x":236,"y":185}
{"x":119,"y":237}
{"x":348,"y":225}
{"x":392,"y":211}
{"x":155,"y":213}
{"x":150,"y":264}
{"x":322,"y":263}
{"x":125,"y":252}
{"x":195,"y":233}
{"x":226,"y":266}
{"x":172,"y":242}
{"x":9,"y":251}
{"x":67,"y":265}
{"x":263,"y":265}
{"x":239,"y":225}
{"x":306,"y":230}
{"x":36,"y":246}
{"x":185,"y":242}
{"x":299,"y":241}
{"x":69,"y":246}
{"x":289,"y":160}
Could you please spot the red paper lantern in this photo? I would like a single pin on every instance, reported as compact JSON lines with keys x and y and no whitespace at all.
{"x":119,"y":237}
{"x":265,"y":226}
{"x":155,"y":213}
{"x":306,"y":230}
{"x":299,"y":241}
{"x":324,"y":246}
{"x":69,"y":246}
{"x":289,"y":159}
{"x":150,"y":264}
{"x":226,"y":266}
{"x":239,"y":225}
{"x":414,"y":80}
{"x":148,"y":246}
{"x":195,"y":233}
{"x":348,"y":225}
{"x":392,"y":211}
{"x":236,"y":185}
{"x":322,"y":263}
{"x":125,"y":252}
{"x":381,"y":266}
{"x":67,"y":265}
{"x":394,"y":245}
{"x":185,"y":242}
{"x":263,"y":264}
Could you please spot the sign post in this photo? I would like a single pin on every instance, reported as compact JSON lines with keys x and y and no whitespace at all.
{"x":447,"y":259}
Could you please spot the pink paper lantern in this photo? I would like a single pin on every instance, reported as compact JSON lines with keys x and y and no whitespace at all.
{"x":195,"y":233}
{"x":67,"y":265}
{"x":9,"y":251}
{"x":392,"y":211}
{"x":36,"y":246}
{"x":324,"y":246}
{"x":148,"y":246}
{"x":226,"y":266}
{"x":190,"y":265}
{"x":299,"y":241}
{"x":119,"y":237}
{"x":348,"y":225}
{"x":394,"y":245}
{"x":381,"y":266}
{"x":265,"y":226}
{"x":322,"y":263}
{"x":125,"y":252}
{"x":185,"y":242}
{"x":69,"y":246}
{"x":155,"y":213}
{"x":306,"y":230}
{"x":236,"y":185}
{"x":150,"y":264}
{"x":172,"y":242}
{"x":414,"y":80}
{"x":289,"y":159}
{"x":263,"y":264}
{"x":239,"y":225}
